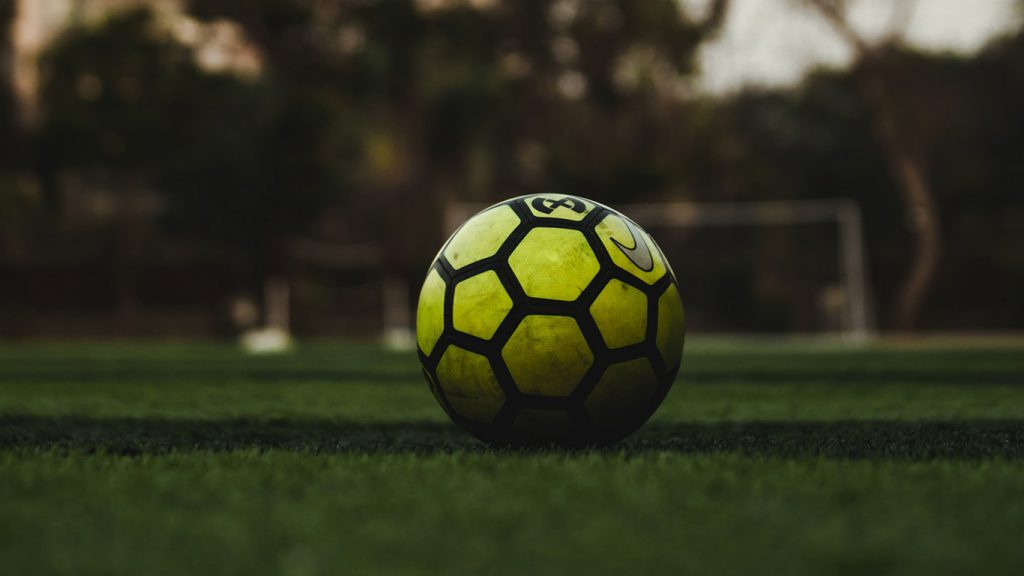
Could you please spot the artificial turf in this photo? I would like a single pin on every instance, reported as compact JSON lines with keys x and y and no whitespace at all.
{"x":194,"y":458}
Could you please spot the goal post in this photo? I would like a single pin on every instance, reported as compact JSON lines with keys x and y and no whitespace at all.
{"x":857,"y":316}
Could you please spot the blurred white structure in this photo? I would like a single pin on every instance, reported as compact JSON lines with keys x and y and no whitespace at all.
{"x":398,"y":326}
{"x":396,"y":309}
{"x":275,"y":334}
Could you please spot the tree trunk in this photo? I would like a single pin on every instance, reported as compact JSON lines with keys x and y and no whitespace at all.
{"x":923,"y":216}
{"x":909,"y":169}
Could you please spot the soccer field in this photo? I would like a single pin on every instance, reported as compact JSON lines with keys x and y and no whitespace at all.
{"x":196,"y":459}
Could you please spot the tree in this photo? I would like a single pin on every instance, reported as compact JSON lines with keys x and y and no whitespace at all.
{"x":18,"y":202}
{"x":239,"y":164}
{"x":457,"y":102}
{"x":877,"y":71}
{"x":7,"y":108}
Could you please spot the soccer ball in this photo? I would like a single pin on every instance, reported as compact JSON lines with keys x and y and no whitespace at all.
{"x":550,"y":319}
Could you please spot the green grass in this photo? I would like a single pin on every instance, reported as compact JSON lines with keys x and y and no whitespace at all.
{"x":193,"y":458}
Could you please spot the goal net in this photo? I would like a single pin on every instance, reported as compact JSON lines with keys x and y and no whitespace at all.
{"x":823,"y":236}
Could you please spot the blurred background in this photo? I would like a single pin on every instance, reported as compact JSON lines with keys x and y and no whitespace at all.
{"x":205,"y":168}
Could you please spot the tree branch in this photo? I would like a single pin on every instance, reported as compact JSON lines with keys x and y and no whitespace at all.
{"x":834,"y":12}
{"x":714,"y":18}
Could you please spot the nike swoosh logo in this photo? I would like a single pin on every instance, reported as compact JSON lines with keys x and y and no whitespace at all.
{"x":639,"y":254}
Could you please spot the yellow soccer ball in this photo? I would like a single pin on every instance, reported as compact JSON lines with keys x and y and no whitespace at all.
{"x":550,"y":319}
